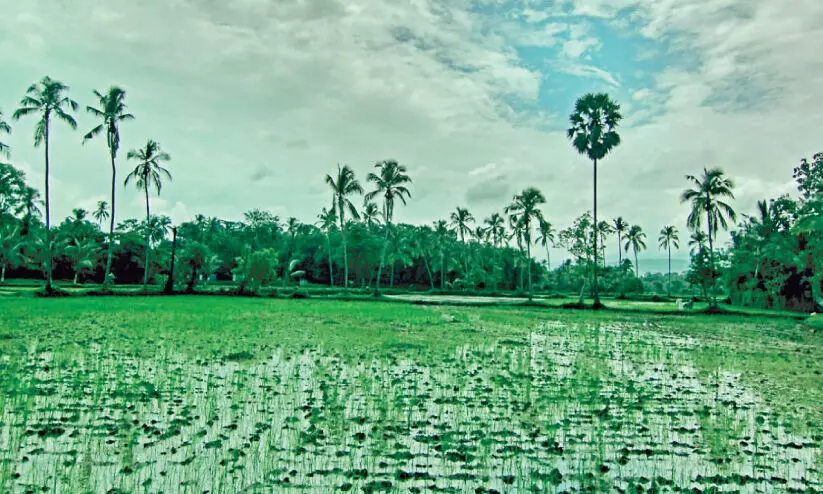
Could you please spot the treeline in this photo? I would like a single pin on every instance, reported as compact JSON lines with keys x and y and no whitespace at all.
{"x":263,"y":249}
{"x":774,"y":258}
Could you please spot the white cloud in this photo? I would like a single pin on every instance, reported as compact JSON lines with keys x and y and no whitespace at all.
{"x":256,"y":100}
{"x":584,"y":70}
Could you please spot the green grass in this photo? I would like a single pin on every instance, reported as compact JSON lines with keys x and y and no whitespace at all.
{"x":228,"y":394}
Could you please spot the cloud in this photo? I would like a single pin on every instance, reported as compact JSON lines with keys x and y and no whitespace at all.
{"x":495,"y":190}
{"x":442,"y":86}
{"x":583,"y":70}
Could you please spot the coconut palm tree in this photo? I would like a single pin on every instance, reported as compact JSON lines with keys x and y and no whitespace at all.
{"x":706,"y":197}
{"x":496,"y":226}
{"x":4,"y":128}
{"x":460,"y":219}
{"x":620,"y":227}
{"x":423,"y":242}
{"x":391,"y":184}
{"x":441,"y":233}
{"x":11,"y":246}
{"x":593,"y":132}
{"x":517,"y":228}
{"x":668,"y":238}
{"x":29,"y":207}
{"x":148,"y":174}
{"x":292,"y":227}
{"x":604,"y":229}
{"x":697,"y":241}
{"x":525,"y":206}
{"x":342,"y":187}
{"x":101,"y":214}
{"x":546,"y":239}
{"x":635,"y":239}
{"x":47,"y":99}
{"x":326,"y":220}
{"x":83,"y":255}
{"x":371,"y":214}
{"x":112,"y":111}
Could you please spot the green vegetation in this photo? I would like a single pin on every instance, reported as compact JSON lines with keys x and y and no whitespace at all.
{"x":774,"y":260}
{"x":147,"y":394}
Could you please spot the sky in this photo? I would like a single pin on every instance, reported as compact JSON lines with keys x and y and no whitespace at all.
{"x":256,"y":100}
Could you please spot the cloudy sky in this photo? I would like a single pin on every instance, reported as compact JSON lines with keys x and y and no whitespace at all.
{"x":256,"y":100}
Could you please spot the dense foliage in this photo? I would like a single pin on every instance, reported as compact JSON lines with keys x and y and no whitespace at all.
{"x":774,"y":259}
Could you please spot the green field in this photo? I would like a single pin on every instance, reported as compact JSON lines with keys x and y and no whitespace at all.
{"x":219,"y":394}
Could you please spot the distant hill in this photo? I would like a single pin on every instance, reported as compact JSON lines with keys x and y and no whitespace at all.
{"x":657,"y":264}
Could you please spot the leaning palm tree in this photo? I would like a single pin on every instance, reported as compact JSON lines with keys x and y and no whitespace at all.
{"x":325,"y":221}
{"x":635,"y":239}
{"x":342,"y":187}
{"x":620,"y":227}
{"x":593,"y":132}
{"x":4,"y":128}
{"x":668,"y":238}
{"x":46,"y":98}
{"x":148,"y":174}
{"x":391,"y":184}
{"x":112,"y":111}
{"x":101,"y":214}
{"x":707,"y":198}
{"x":525,"y":206}
{"x":460,"y":219}
{"x":546,"y":239}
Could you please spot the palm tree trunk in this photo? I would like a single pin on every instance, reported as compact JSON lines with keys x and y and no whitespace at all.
{"x":169,"y":288}
{"x":548,"y":258}
{"x":148,"y":239}
{"x":466,"y":258}
{"x":382,"y":256}
{"x":442,"y":269}
{"x":670,"y":271}
{"x":636,"y":265}
{"x":529,"y":266}
{"x":111,"y":223}
{"x":3,"y":274}
{"x":75,"y":278}
{"x":331,"y":267}
{"x":596,"y":294}
{"x":619,"y":250}
{"x":391,"y":276}
{"x":711,"y":248}
{"x":429,"y":271}
{"x":48,"y":213}
{"x":345,"y":257}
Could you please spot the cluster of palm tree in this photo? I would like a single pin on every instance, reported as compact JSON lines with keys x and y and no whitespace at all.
{"x":390,"y":184}
{"x":47,"y":99}
{"x":706,"y":197}
{"x":521,"y":225}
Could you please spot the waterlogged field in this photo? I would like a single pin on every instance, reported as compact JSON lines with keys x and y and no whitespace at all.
{"x":227,"y":395}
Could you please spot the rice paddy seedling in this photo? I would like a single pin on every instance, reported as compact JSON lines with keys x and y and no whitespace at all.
{"x":264,"y":395}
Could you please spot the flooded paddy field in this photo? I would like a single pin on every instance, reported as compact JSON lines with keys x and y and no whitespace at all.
{"x":233,"y":395}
